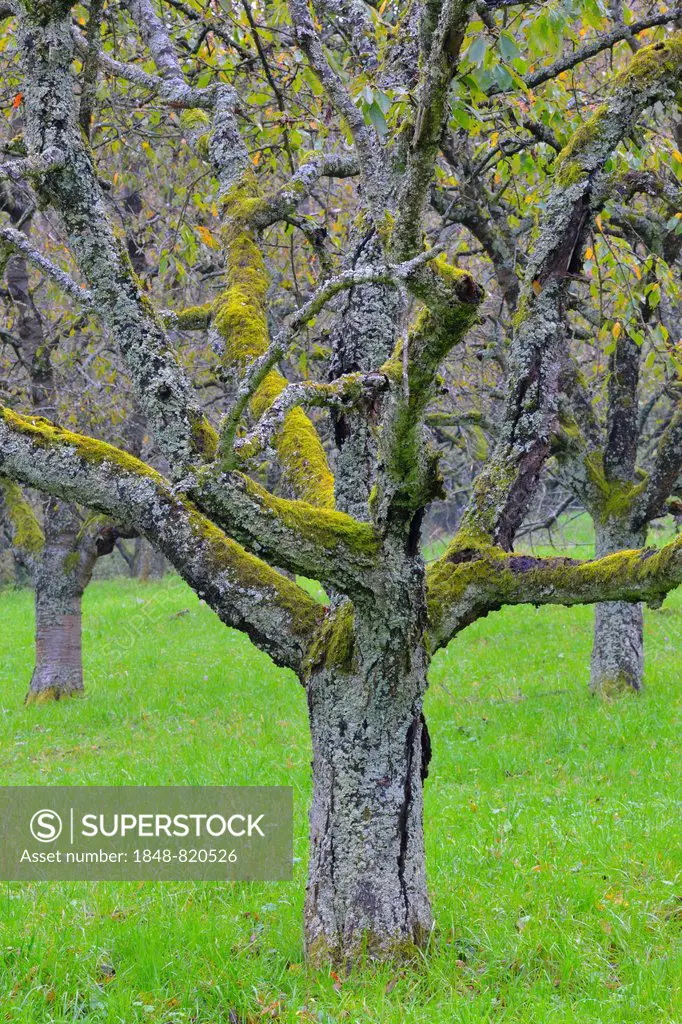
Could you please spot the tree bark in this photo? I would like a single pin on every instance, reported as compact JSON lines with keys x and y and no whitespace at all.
{"x":367,"y":883}
{"x":617,"y":664}
{"x":62,"y":571}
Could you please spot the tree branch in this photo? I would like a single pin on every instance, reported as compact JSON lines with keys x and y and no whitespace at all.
{"x":18,"y":242}
{"x":73,"y":189}
{"x":466,"y":584}
{"x":245,"y":592}
{"x":594,"y":47}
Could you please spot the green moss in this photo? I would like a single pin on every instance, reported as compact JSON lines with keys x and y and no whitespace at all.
{"x":47,"y":434}
{"x":193,"y":318}
{"x":334,"y":644}
{"x":646,"y":67}
{"x":72,"y":561}
{"x":568,"y":167}
{"x":304,"y":460}
{"x":26,"y":532}
{"x":204,"y":437}
{"x":240,"y":316}
{"x":617,"y":497}
{"x":324,"y":527}
{"x":569,"y":173}
{"x":251,"y":572}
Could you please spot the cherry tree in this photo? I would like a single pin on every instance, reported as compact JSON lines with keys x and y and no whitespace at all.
{"x":349,"y":517}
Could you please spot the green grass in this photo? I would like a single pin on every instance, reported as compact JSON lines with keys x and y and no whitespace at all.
{"x":553,"y":829}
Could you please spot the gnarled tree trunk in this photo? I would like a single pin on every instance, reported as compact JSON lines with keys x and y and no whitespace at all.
{"x":62,"y":571}
{"x":617,"y":664}
{"x":367,"y":883}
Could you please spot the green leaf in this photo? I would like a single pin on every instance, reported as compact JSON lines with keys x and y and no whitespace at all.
{"x":476,"y":52}
{"x":506,"y":44}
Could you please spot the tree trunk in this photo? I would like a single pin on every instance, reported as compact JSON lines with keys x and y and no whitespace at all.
{"x":62,"y":572}
{"x":366,"y":883}
{"x":618,"y":646}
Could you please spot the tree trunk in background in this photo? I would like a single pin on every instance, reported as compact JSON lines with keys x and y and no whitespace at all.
{"x":617,"y":664}
{"x":152,"y":564}
{"x":62,"y":572}
{"x":366,"y":882}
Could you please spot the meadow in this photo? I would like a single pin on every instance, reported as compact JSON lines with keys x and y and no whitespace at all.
{"x":554,"y":831}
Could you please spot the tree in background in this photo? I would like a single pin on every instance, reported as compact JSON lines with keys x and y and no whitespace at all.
{"x":618,"y":447}
{"x":352,"y":517}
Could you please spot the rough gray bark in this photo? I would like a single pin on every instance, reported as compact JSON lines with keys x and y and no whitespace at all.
{"x":363,"y":338}
{"x":366,"y":877}
{"x":617,"y":662}
{"x":367,"y":678}
{"x":62,"y":571}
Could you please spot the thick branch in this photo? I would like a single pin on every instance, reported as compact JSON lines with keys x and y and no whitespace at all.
{"x":18,"y":242}
{"x":442,"y":32}
{"x":73,"y":189}
{"x":467,"y":584}
{"x":245,"y":592}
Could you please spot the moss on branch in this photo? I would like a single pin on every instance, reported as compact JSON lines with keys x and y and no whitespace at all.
{"x":25,"y":529}
{"x":469,"y":582}
{"x":240,"y":317}
{"x":47,"y":434}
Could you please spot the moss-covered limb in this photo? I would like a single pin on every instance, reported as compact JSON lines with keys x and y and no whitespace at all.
{"x":503,"y":490}
{"x":318,"y":543}
{"x":258,"y":370}
{"x":245,"y":592}
{"x":240,"y":323}
{"x":73,"y":190}
{"x":464,"y":586}
{"x":346,"y":392}
{"x":486,"y":222}
{"x":20,"y":520}
{"x":283,"y":202}
{"x":408,"y":478}
{"x":193,"y":318}
{"x":442,"y":31}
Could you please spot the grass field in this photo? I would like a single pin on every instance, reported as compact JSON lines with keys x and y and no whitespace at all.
{"x":554,"y":838}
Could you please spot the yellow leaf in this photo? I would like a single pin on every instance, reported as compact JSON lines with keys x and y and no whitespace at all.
{"x":537,"y":287}
{"x":206,"y":237}
{"x":616,"y":330}
{"x":588,"y":254}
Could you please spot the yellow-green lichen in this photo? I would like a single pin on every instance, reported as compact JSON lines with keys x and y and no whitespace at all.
{"x":25,"y":529}
{"x":333,"y":647}
{"x":252,"y":573}
{"x":48,"y":434}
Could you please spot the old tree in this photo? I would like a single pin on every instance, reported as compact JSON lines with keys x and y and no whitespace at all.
{"x":376,"y":96}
